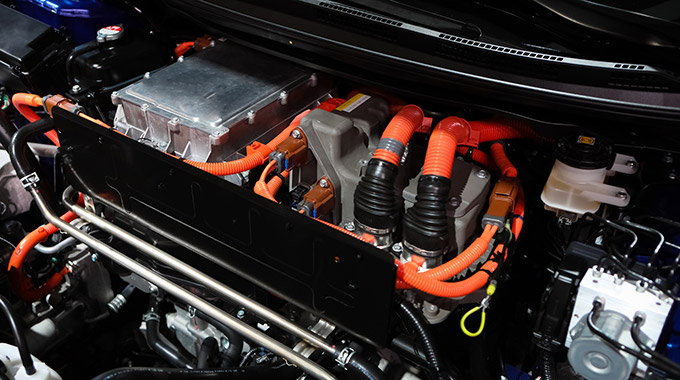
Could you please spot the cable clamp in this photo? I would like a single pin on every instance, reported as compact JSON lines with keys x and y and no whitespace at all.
{"x":344,"y":356}
{"x":151,"y":316}
{"x":30,"y":181}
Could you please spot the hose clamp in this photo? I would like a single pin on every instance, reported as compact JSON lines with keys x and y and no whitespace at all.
{"x":344,"y":357}
{"x":30,"y":181}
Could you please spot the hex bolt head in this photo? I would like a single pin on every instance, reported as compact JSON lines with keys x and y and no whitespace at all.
{"x":296,"y":134}
{"x":251,"y":117}
{"x":283,"y":98}
{"x":76,"y":89}
{"x":483,"y":174}
{"x":397,"y":248}
{"x":323,"y":183}
{"x":349,"y":226}
{"x":147,"y":75}
{"x":240,"y":314}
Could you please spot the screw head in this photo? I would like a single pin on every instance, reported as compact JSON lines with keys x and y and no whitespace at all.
{"x":630,"y":163}
{"x":323,"y":183}
{"x":483,"y":174}
{"x":76,"y":89}
{"x":296,"y":134}
{"x":147,"y":75}
{"x":622,"y":195}
{"x":349,"y":226}
{"x":240,"y":314}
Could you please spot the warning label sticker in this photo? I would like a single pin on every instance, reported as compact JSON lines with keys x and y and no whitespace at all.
{"x":353,"y":103}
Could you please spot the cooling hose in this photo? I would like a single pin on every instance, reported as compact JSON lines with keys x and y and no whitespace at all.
{"x":251,"y":372}
{"x":235,"y":341}
{"x":376,"y":204}
{"x":364,"y":368}
{"x":24,"y":161}
{"x":205,"y":352}
{"x":412,"y":318}
{"x":19,"y":337}
{"x":7,"y":130}
{"x":165,"y":351}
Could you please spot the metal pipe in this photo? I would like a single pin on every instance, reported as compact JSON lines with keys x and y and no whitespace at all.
{"x":308,"y":366}
{"x":55,"y":248}
{"x":662,"y":239}
{"x":198,"y":276}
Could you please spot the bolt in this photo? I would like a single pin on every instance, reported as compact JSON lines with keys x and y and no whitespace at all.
{"x":672,"y":175}
{"x":622,"y":195}
{"x":145,"y":107}
{"x":224,"y":342}
{"x":94,"y":257}
{"x":668,"y":158}
{"x":180,"y":59}
{"x":631,"y":163}
{"x":174,"y":120}
{"x":147,"y":75}
{"x":349,"y":226}
{"x":115,"y":98}
{"x":283,"y":98}
{"x":76,"y":89}
{"x":296,"y":134}
{"x":240,"y":314}
{"x":251,"y":117}
{"x":454,"y":201}
{"x":313,"y":80}
{"x":483,"y":174}
{"x":397,"y":248}
{"x":323,"y":183}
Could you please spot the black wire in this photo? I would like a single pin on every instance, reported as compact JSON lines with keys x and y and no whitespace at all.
{"x":19,"y":337}
{"x":7,"y":242}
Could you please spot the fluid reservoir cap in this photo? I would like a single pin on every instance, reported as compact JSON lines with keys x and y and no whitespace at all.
{"x":109,"y":33}
{"x":585,"y":152}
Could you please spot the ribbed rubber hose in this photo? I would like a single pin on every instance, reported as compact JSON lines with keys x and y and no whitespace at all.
{"x":400,"y":128}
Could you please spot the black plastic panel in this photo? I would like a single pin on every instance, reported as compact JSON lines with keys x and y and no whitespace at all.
{"x":315,"y":267}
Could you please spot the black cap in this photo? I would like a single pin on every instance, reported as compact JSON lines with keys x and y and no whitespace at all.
{"x":585,"y":152}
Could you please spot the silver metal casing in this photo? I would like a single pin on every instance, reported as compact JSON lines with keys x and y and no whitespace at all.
{"x":213,"y":104}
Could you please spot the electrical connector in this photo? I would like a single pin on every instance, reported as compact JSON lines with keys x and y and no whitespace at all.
{"x":501,"y":202}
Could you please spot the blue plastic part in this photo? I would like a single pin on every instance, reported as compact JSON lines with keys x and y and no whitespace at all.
{"x":514,"y":373}
{"x":81,"y":18}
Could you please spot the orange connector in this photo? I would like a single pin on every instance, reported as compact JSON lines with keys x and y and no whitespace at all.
{"x":292,"y":151}
{"x":320,"y":199}
{"x":501,"y":202}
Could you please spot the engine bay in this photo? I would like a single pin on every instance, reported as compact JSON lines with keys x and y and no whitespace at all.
{"x":206,"y":208}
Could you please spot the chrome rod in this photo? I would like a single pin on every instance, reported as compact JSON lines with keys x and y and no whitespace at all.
{"x":278,"y":348}
{"x":198,"y":276}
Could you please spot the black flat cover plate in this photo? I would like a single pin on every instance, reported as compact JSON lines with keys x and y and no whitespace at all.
{"x":340,"y":278}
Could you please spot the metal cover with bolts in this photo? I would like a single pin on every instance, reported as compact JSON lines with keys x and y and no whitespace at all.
{"x":210,"y":105}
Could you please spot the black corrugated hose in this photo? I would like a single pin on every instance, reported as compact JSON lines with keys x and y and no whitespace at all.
{"x":412,"y":318}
